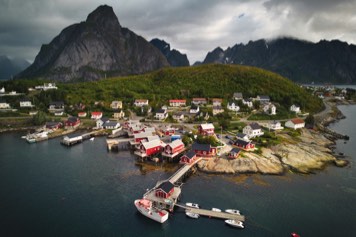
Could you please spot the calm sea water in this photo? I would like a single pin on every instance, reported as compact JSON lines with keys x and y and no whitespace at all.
{"x":50,"y":190}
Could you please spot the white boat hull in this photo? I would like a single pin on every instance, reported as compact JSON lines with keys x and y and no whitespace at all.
{"x":157,"y":215}
{"x":233,"y":211}
{"x":192,"y":215}
{"x":194,"y":205}
{"x":234,"y":223}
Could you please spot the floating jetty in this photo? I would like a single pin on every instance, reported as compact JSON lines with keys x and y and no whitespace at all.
{"x":166,"y":194}
{"x":73,"y":139}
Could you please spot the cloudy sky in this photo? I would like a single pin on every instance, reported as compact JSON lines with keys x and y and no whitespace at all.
{"x":193,"y":27}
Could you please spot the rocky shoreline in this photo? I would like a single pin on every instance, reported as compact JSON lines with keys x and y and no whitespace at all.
{"x":312,"y":151}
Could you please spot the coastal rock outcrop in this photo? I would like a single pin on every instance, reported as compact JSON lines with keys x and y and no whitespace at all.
{"x":304,"y":154}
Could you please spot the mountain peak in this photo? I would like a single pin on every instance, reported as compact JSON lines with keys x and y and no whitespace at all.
{"x":104,"y":17}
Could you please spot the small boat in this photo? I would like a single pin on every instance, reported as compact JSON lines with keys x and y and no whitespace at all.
{"x":91,"y":139}
{"x":192,"y":215}
{"x":194,"y":205}
{"x":235,"y":223}
{"x":295,"y":235}
{"x":215,"y":209}
{"x":233,"y":211}
{"x":147,"y":209}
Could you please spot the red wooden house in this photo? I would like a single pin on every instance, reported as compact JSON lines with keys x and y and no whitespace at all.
{"x":96,"y":115}
{"x":72,"y":122}
{"x":53,"y":125}
{"x":169,"y":131}
{"x":177,"y":103}
{"x":164,"y":190}
{"x":234,"y":153}
{"x":151,"y":148}
{"x":188,"y":158}
{"x":245,"y":145}
{"x":204,"y":150}
{"x":82,"y":114}
{"x":174,"y":147}
{"x":206,"y":129}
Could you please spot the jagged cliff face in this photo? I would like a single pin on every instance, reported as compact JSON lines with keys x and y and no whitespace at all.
{"x":301,"y":61}
{"x":94,"y":49}
{"x":174,"y":57}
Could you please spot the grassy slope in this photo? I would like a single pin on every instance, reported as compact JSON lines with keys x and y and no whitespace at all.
{"x":200,"y":81}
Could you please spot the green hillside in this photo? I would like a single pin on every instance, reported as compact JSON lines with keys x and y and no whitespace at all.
{"x":213,"y":80}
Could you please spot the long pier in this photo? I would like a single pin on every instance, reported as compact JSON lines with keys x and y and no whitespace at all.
{"x":213,"y":214}
{"x":115,"y":142}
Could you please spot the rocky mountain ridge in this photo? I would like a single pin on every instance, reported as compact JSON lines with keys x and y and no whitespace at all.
{"x":301,"y":61}
{"x":96,"y":48}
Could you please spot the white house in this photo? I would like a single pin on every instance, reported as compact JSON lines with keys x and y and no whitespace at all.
{"x":233,"y":107}
{"x":4,"y":105}
{"x":199,"y":101}
{"x":100,"y":122}
{"x":217,"y":110}
{"x":161,"y":114}
{"x":119,"y":114}
{"x":25,"y":103}
{"x":2,"y":90}
{"x":295,"y":123}
{"x":263,"y":99}
{"x":253,"y":130}
{"x":242,"y":136}
{"x":194,"y":109}
{"x":295,"y":109}
{"x":47,"y":86}
{"x":141,"y":102}
{"x":248,"y":102}
{"x":111,"y":125}
{"x":116,"y":104}
{"x":179,"y":116}
{"x":270,"y":109}
{"x":275,"y":125}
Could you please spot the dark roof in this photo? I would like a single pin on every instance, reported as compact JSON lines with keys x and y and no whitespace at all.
{"x":166,"y":186}
{"x":201,"y":147}
{"x":194,"y":106}
{"x":24,"y":99}
{"x":50,"y":124}
{"x":161,"y":111}
{"x":111,"y":123}
{"x":105,"y":119}
{"x":56,"y":103}
{"x":235,"y":150}
{"x":264,"y":97}
{"x":255,"y":126}
{"x":241,"y":135}
{"x":190,"y":154}
{"x":242,"y":142}
{"x":72,"y":119}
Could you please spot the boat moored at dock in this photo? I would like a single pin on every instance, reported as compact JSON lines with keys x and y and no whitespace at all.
{"x":235,"y":223}
{"x":192,"y":215}
{"x":194,"y":205}
{"x":233,"y":211}
{"x":216,"y":209}
{"x":147,"y":209}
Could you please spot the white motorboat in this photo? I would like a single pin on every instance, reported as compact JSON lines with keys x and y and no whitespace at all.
{"x":235,"y":223}
{"x":192,"y":215}
{"x":233,"y":211}
{"x":145,"y":207}
{"x":216,"y":209}
{"x":194,"y":205}
{"x":91,"y":139}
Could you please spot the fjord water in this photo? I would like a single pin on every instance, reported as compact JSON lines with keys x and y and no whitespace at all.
{"x":50,"y":190}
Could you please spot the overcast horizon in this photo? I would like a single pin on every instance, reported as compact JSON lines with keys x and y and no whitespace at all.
{"x":192,"y":27}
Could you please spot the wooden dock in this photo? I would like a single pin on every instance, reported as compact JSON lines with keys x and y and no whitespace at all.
{"x":213,"y":214}
{"x":184,"y":169}
{"x":115,"y":142}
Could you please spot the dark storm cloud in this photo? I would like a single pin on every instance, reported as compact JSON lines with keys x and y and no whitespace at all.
{"x":191,"y":26}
